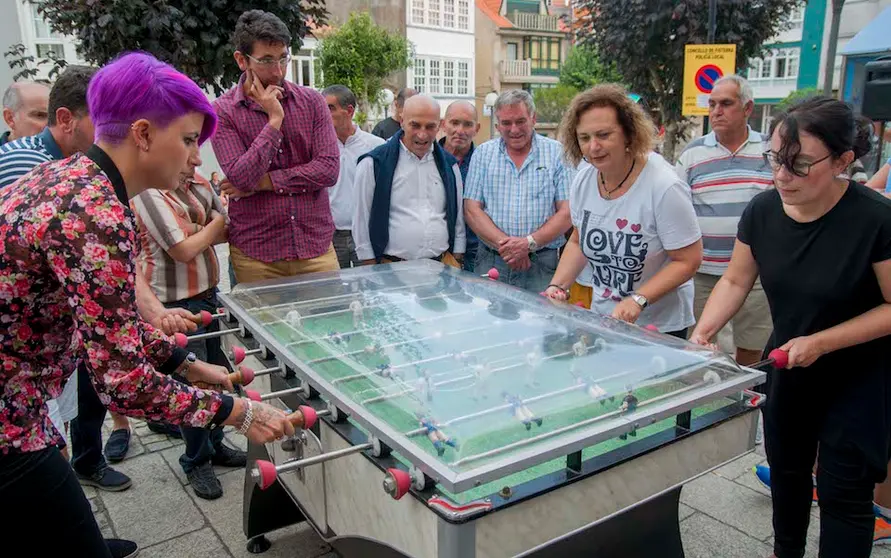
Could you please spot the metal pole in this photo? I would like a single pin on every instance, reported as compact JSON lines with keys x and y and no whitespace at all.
{"x":712,"y":28}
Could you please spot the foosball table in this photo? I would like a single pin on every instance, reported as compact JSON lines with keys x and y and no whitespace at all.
{"x":444,"y":414}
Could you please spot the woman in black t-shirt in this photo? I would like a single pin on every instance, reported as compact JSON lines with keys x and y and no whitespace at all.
{"x":822,"y":246}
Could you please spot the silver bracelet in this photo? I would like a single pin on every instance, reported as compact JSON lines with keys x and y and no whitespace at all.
{"x":248,"y":418}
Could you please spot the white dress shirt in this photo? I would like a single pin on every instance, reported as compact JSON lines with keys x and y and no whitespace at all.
{"x":343,"y":194}
{"x":418,"y":226}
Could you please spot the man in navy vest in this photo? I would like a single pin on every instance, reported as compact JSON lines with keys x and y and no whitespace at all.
{"x":460,"y":127}
{"x":409,"y":194}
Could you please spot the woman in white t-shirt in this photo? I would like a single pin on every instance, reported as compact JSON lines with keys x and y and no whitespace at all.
{"x":634,"y":227}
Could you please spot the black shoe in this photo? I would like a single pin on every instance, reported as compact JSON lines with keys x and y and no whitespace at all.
{"x":225,"y":456}
{"x":106,"y":479}
{"x":205,"y":482}
{"x":167,"y":429}
{"x":120,"y":548}
{"x":117,"y":445}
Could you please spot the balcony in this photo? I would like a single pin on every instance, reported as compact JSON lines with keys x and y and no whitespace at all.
{"x":535,"y":22}
{"x":516,"y":70}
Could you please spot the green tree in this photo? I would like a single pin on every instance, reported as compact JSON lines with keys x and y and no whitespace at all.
{"x":583,"y":68}
{"x":796,"y":96}
{"x":646,"y":38}
{"x":26,"y":66}
{"x":193,"y":35}
{"x":360,"y":55}
{"x":551,"y":102}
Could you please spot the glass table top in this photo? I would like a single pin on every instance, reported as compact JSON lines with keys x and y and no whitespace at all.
{"x":468,"y":378}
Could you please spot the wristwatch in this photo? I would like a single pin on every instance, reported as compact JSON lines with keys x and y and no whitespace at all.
{"x":640,"y":299}
{"x":186,"y":364}
{"x":533,"y":246}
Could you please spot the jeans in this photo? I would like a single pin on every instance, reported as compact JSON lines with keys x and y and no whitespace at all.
{"x":470,"y":254}
{"x":201,"y":442}
{"x":535,"y":279}
{"x":345,"y":248}
{"x":44,"y":508}
{"x":86,"y":429}
{"x":845,"y":483}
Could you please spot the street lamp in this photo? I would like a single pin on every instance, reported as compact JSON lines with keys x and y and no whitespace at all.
{"x":385,"y":97}
{"x":490,"y":104}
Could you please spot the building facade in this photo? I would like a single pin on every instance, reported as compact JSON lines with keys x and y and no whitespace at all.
{"x":521,"y":44}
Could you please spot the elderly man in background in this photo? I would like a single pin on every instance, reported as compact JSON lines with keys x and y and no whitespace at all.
{"x":353,"y":142}
{"x":24,"y":110}
{"x":725,"y":170}
{"x":408,"y":194}
{"x":517,"y":197}
{"x":460,"y":126}
{"x":387,"y":127}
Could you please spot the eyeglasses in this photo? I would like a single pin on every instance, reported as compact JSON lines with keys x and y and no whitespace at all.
{"x":269,"y":62}
{"x":799,"y":168}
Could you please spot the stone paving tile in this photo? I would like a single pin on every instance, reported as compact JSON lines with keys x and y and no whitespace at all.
{"x":225,"y":515}
{"x":731,"y":503}
{"x":684,"y":511}
{"x":158,"y":446}
{"x":705,"y":537}
{"x":171,"y":456}
{"x":156,"y":508}
{"x":749,"y":481}
{"x":152,"y":438}
{"x":200,"y":544}
{"x":740,"y":466}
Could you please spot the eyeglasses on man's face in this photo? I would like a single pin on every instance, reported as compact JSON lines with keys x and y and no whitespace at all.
{"x":268,"y":62}
{"x":799,"y":167}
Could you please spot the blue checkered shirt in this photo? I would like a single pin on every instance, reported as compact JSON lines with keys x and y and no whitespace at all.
{"x":519,"y":202}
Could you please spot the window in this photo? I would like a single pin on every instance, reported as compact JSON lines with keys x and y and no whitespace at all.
{"x":544,"y":52}
{"x":463,"y":78}
{"x":448,"y":77}
{"x":796,"y":18}
{"x":417,"y":11}
{"x":439,"y":76}
{"x":760,"y":119}
{"x":449,"y":14}
{"x":513,"y":50}
{"x":47,"y":43}
{"x":780,"y":64}
{"x":304,"y":68}
{"x":420,"y":74}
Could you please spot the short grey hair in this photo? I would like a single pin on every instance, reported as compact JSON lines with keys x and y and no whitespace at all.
{"x":12,"y":98}
{"x":515,"y":97}
{"x":745,"y":89}
{"x":342,"y":93}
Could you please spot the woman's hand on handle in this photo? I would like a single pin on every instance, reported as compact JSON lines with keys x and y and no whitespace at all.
{"x":209,"y":374}
{"x":698,"y":339}
{"x":803,"y":351}
{"x":556,"y":293}
{"x":627,"y":310}
{"x":267,"y":425}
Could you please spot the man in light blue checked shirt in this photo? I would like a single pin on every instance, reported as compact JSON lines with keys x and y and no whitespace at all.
{"x":516,"y":198}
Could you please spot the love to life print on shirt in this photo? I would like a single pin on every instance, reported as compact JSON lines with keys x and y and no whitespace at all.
{"x":616,"y":257}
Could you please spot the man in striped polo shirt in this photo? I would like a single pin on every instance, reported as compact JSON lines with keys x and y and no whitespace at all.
{"x":725,"y":170}
{"x":178,"y":230}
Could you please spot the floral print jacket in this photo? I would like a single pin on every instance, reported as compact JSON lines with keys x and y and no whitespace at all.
{"x":67,"y":295}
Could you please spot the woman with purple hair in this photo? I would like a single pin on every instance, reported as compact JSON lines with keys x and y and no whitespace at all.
{"x":67,"y":248}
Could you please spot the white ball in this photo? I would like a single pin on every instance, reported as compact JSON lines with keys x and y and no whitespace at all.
{"x":711,"y":377}
{"x":659,"y":364}
{"x":293,"y":318}
{"x":356,"y":306}
{"x":599,"y":344}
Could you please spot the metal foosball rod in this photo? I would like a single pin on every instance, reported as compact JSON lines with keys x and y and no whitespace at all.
{"x":249,"y":373}
{"x":238,"y":354}
{"x":592,"y":420}
{"x":182,"y":340}
{"x":241,"y":377}
{"x":336,"y":297}
{"x":257,"y":396}
{"x":265,"y":472}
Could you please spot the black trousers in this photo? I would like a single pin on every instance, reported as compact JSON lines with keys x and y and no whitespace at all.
{"x":845,"y":483}
{"x":86,"y":429}
{"x":44,"y":508}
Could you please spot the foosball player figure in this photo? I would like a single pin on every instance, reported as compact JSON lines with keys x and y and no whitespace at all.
{"x":481,"y":373}
{"x":436,"y":436}
{"x":533,"y":360}
{"x":580,"y":347}
{"x":629,"y":403}
{"x":335,"y":337}
{"x":521,"y":411}
{"x":384,"y":370}
{"x":425,"y":386}
{"x":356,"y":309}
{"x":594,"y":390}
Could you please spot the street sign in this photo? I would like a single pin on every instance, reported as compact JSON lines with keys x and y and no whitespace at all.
{"x":703,"y":66}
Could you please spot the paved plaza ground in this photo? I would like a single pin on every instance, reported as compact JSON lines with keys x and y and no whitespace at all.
{"x":724,"y":514}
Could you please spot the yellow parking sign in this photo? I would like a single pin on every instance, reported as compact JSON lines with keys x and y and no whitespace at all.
{"x":703,"y":66}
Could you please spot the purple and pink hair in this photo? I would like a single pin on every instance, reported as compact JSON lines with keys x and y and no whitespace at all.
{"x":137,"y":85}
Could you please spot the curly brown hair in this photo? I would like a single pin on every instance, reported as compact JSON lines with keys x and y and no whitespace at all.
{"x":637,"y":126}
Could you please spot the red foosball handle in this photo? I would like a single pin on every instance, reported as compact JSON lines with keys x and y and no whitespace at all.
{"x":402,"y":480}
{"x":238,"y":354}
{"x":492,"y":274}
{"x":252,"y":395}
{"x":243,"y":377}
{"x":266,"y":473}
{"x":651,"y":327}
{"x":181,"y":340}
{"x":779,"y":357}
{"x":305,"y":417}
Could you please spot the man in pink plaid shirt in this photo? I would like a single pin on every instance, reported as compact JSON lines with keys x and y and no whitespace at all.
{"x":276,"y":145}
